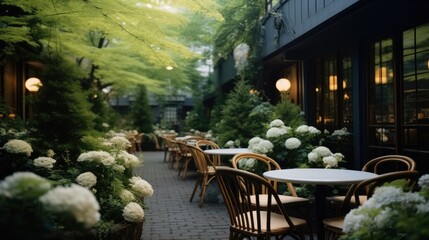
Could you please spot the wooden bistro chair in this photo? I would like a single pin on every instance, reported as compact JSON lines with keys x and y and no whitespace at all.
{"x":207,"y":144}
{"x":265,"y":163}
{"x":378,"y":165}
{"x":250,"y":220}
{"x":185,"y":157}
{"x":205,"y":172}
{"x":334,"y":225}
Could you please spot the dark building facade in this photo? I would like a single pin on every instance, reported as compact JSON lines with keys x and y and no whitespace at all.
{"x":359,"y":64}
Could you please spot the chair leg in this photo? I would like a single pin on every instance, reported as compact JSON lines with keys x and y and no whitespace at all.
{"x":198,"y":182}
{"x":203,"y":190}
{"x":185,"y":168}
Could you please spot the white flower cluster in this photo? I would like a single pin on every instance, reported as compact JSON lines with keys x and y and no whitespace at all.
{"x":141,"y":187}
{"x":307,"y":129}
{"x":18,"y":146}
{"x":133,"y":212}
{"x":277,"y":129}
{"x":424,"y":181}
{"x":45,"y":162}
{"x":24,"y":185}
{"x":120,"y":142}
{"x":74,"y":200}
{"x":97,"y":156}
{"x":87,"y":179}
{"x":324,"y":155}
{"x":340,"y":133}
{"x":128,"y":160}
{"x":229,"y":144}
{"x":259,"y":145}
{"x":292,"y":143}
{"x":277,"y":123}
{"x":247,"y":164}
{"x":378,"y":211}
{"x":127,"y":196}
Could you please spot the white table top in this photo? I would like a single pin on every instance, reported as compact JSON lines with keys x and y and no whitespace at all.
{"x":319,"y":176}
{"x":227,"y":151}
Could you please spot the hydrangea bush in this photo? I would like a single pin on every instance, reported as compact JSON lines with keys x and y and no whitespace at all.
{"x":391,"y":213}
{"x":94,"y":191}
{"x":295,"y":147}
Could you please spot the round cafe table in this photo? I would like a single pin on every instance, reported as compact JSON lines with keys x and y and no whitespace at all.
{"x":320,"y":177}
{"x":227,"y":151}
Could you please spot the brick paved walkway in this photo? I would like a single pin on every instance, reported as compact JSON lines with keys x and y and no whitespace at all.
{"x":170,"y":215}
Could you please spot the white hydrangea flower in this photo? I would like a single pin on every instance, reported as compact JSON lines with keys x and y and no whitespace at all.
{"x":424,"y":181}
{"x":263,"y":147}
{"x":330,"y":162}
{"x":338,"y":156}
{"x":50,"y":153}
{"x":423,"y":208}
{"x":141,"y":187}
{"x":292,"y":143}
{"x":355,"y":220}
{"x":312,"y":157}
{"x":120,"y":142}
{"x":97,"y":156}
{"x":45,"y":162}
{"x":322,"y":151}
{"x":119,"y":168}
{"x":127,"y":196}
{"x":277,"y":123}
{"x":314,"y":130}
{"x":133,"y":212}
{"x":23,"y":185}
{"x":383,"y":217}
{"x":75,"y":200}
{"x":302,"y":129}
{"x":18,"y":146}
{"x":87,"y":179}
{"x":275,"y":132}
{"x":229,"y":144}
{"x":250,"y":163}
{"x":254,"y":141}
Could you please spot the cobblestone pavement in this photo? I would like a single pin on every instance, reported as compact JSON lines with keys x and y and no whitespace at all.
{"x":169,"y":214}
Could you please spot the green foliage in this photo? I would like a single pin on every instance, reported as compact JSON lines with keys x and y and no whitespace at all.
{"x":288,"y":112}
{"x":242,"y":25}
{"x":237,"y":123}
{"x":141,"y":112}
{"x":9,"y":120}
{"x":128,"y":43}
{"x":197,"y":119}
{"x":62,"y":114}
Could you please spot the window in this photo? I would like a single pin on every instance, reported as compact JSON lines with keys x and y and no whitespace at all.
{"x":334,"y":93}
{"x":415,"y":90}
{"x":170,"y":114}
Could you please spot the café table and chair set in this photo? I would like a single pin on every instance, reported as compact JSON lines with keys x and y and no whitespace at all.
{"x":256,"y":208}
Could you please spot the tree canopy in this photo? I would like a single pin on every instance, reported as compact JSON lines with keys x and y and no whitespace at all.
{"x":125,"y":42}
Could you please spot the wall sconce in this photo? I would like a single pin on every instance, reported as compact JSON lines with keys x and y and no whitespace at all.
{"x":33,"y":84}
{"x":283,"y":85}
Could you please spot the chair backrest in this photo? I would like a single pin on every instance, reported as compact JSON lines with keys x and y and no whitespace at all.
{"x":236,"y":187}
{"x":183,"y":148}
{"x":367,"y":187}
{"x":200,"y":159}
{"x":263,"y":164}
{"x":207,"y":144}
{"x":389,"y":163}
